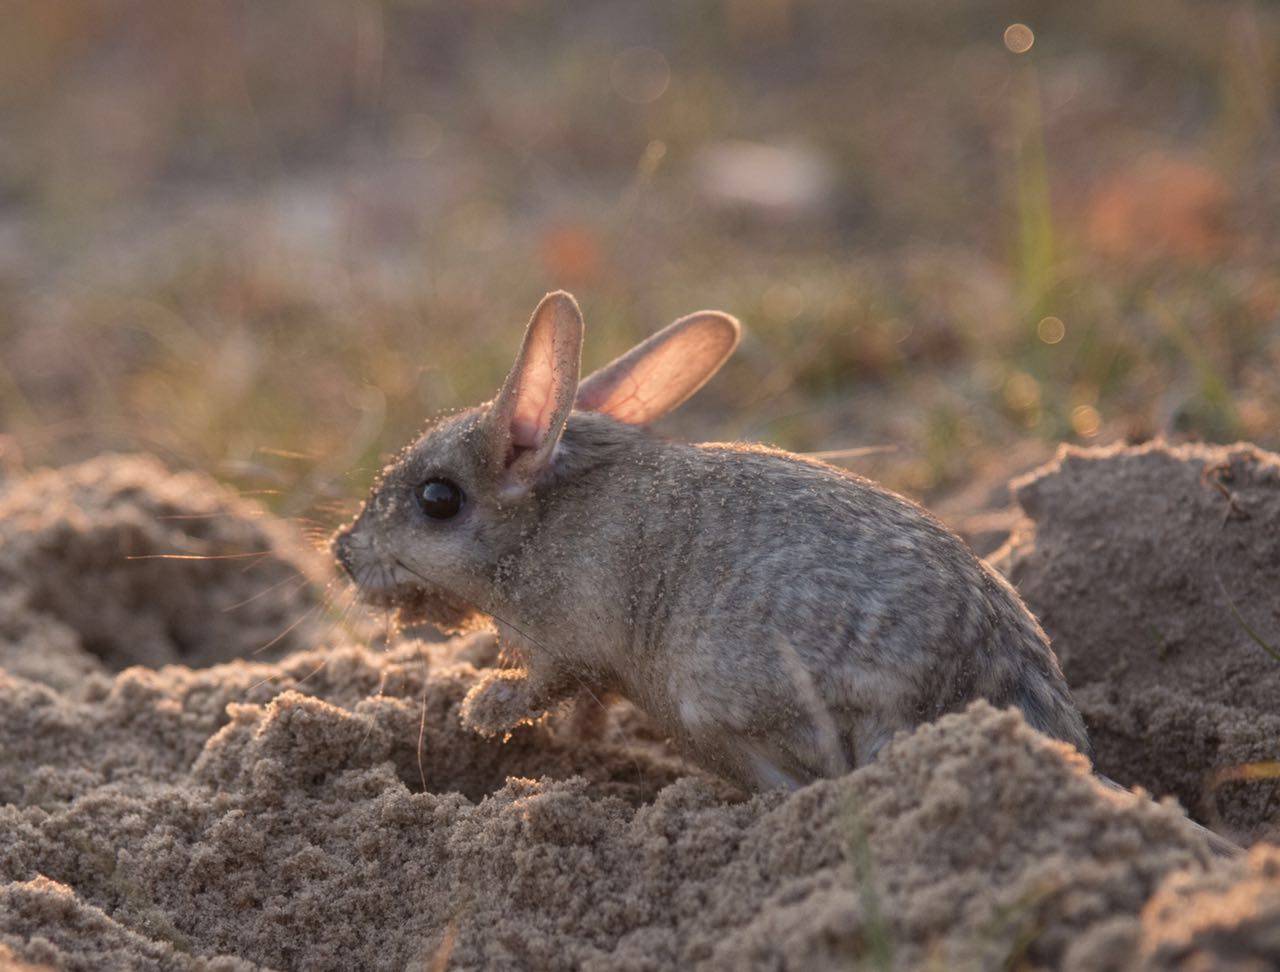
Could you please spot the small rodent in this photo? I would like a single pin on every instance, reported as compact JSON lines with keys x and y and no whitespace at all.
{"x":779,"y":617}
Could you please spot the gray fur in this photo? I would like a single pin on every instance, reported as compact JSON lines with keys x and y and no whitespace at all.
{"x":780,"y":618}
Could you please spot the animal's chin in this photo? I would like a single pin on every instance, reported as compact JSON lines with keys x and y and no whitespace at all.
{"x":417,"y":604}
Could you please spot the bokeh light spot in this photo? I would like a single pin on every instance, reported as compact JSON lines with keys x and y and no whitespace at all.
{"x":640,"y":75}
{"x":1086,"y":421}
{"x":1051,"y":330}
{"x":1019,"y":38}
{"x":1021,"y":391}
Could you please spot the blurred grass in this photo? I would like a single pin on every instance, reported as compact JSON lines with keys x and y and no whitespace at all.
{"x":233,"y":230}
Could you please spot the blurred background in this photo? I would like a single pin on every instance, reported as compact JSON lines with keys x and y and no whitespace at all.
{"x":268,"y":240}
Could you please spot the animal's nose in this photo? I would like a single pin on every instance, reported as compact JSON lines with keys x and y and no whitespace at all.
{"x":341,"y":547}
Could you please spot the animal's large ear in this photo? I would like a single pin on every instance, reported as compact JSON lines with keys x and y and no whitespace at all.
{"x":527,"y":417}
{"x":658,"y":374}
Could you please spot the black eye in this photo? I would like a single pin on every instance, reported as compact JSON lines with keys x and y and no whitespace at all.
{"x":440,"y":499}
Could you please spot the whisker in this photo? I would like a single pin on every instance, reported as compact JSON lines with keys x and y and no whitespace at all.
{"x":314,"y":671}
{"x":298,"y":578}
{"x":382,"y":682}
{"x":341,"y":508}
{"x":832,"y":455}
{"x":352,"y":604}
{"x":260,"y":682}
{"x":262,"y":558}
{"x":285,"y":632}
{"x":209,"y":516}
{"x":336,"y":614}
{"x":239,"y":556}
{"x":422,"y":721}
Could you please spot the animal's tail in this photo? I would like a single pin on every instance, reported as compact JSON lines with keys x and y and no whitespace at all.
{"x":1047,"y":706}
{"x":1217,"y":843}
{"x":1030,"y":677}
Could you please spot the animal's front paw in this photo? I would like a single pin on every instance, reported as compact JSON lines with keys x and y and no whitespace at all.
{"x":500,"y":701}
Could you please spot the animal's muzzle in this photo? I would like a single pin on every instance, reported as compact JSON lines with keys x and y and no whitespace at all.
{"x":341,"y":549}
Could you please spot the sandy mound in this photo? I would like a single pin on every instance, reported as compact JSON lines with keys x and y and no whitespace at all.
{"x":91,"y":549}
{"x":1155,"y":570}
{"x":1226,"y":919}
{"x":273,"y":814}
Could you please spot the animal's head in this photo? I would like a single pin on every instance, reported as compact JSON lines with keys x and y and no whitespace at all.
{"x":441,"y":517}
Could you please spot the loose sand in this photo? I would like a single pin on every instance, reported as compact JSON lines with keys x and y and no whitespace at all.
{"x":1150,"y":568}
{"x":239,"y":814}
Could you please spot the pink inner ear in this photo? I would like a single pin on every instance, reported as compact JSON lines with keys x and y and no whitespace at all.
{"x":658,"y":374}
{"x":524,"y":433}
{"x":535,"y":398}
{"x":538,"y":393}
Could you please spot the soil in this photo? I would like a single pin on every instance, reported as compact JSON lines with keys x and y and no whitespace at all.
{"x":206,"y":808}
{"x":1156,"y":572}
{"x":145,"y":568}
